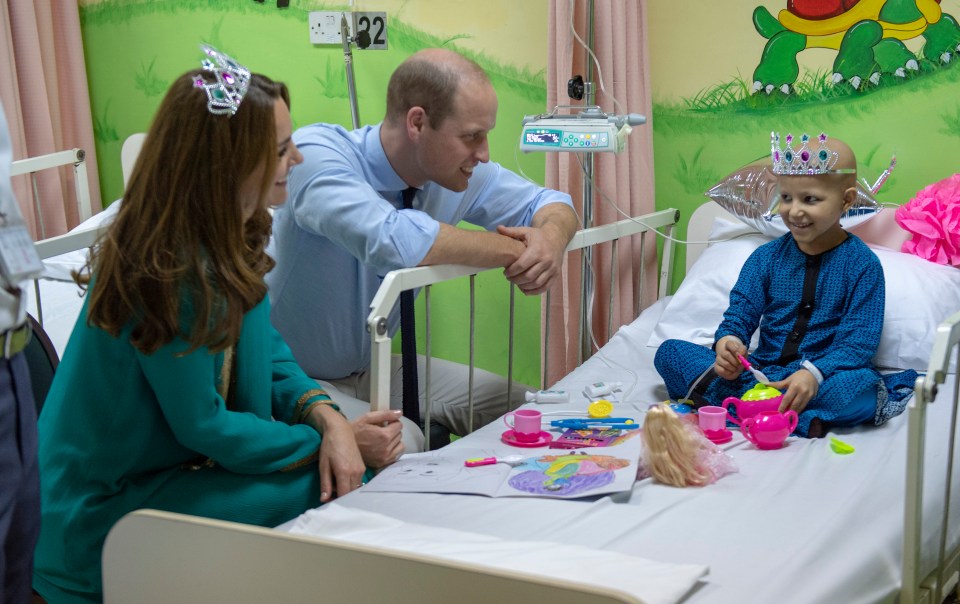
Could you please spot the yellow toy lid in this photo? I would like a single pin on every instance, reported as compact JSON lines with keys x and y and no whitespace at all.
{"x":600,"y":408}
{"x":760,"y":393}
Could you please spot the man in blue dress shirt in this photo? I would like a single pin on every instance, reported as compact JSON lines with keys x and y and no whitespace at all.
{"x":343,"y":227}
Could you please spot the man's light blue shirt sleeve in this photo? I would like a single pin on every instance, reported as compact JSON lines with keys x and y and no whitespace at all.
{"x":339,"y":203}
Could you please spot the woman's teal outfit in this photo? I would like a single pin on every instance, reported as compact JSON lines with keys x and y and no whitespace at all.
{"x":122,"y":430}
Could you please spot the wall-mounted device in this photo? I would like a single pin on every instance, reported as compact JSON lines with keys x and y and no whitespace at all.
{"x":590,"y":131}
{"x":368,"y":30}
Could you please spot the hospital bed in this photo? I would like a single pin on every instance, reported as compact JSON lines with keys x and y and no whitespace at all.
{"x":801,"y":524}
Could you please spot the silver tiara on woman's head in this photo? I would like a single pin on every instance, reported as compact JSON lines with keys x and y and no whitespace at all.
{"x":231,"y":81}
{"x":802,"y":160}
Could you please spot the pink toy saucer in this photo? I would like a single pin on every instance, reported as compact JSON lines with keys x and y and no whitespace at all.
{"x":718,"y":437}
{"x":510,"y":437}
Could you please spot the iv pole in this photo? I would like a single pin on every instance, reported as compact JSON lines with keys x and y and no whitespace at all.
{"x":348,"y":61}
{"x":586,"y":259}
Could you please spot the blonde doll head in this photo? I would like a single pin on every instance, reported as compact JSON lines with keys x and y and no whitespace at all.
{"x":673,"y":452}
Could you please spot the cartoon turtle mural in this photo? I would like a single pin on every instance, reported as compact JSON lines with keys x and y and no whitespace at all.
{"x":867,"y":35}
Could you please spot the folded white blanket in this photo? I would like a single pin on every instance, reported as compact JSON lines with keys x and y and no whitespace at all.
{"x":651,"y":582}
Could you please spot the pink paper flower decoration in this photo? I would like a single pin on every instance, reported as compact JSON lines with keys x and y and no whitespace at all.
{"x":933,"y":220}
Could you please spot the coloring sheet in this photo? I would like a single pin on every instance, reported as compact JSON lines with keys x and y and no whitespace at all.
{"x":560,"y":473}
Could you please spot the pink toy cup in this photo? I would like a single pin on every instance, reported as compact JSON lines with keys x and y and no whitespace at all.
{"x":768,"y":429}
{"x":712,"y":419}
{"x":525,"y":424}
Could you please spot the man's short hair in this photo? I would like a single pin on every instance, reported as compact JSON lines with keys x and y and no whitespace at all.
{"x":419,"y":82}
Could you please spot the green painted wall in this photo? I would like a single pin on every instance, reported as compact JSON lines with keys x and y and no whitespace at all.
{"x":135,"y":49}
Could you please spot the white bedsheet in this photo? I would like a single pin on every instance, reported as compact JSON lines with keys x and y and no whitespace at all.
{"x":798,"y":525}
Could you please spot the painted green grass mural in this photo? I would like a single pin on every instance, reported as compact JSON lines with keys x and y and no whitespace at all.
{"x":147,"y":81}
{"x":951,"y":122}
{"x":103,"y":130}
{"x":133,"y":51}
{"x":810,"y":87}
{"x":333,"y":82}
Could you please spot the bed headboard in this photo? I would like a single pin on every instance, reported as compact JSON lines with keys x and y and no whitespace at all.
{"x":698,"y":228}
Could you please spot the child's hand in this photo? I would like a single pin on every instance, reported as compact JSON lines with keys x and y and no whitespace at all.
{"x":798,"y":390}
{"x":728,"y":365}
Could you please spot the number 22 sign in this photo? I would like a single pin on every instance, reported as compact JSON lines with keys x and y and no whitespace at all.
{"x":370,"y":30}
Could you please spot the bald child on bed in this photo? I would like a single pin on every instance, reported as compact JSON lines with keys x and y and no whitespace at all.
{"x":817,"y":296}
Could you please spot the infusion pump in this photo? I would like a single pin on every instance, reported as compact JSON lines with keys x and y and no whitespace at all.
{"x":578,"y":134}
{"x":568,"y":135}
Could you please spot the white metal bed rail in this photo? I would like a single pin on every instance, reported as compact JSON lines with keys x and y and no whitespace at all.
{"x":401,"y":280}
{"x":919,"y":586}
{"x":71,"y":157}
{"x":68,"y":242}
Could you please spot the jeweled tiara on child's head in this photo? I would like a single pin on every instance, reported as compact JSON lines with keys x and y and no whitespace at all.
{"x":231,"y":81}
{"x":803,"y":159}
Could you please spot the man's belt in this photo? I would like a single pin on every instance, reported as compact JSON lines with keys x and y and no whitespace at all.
{"x":13,"y":341}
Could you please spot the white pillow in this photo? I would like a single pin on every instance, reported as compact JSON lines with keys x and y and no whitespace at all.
{"x":696,"y":310}
{"x":919,"y":296}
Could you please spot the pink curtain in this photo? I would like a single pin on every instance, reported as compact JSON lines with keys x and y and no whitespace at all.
{"x":627,"y":178}
{"x":43,"y":88}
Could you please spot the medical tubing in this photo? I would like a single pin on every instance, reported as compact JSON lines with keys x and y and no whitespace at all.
{"x":695,"y":382}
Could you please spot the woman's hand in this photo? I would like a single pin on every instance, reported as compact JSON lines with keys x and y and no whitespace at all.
{"x":341,"y":464}
{"x":728,"y":365}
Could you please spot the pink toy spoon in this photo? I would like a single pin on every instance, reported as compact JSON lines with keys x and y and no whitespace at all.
{"x":757,"y":374}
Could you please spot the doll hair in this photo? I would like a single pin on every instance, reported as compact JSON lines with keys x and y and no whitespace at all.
{"x":672,"y":451}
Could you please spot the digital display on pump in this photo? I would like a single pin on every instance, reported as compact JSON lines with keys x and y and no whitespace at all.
{"x":543,"y":137}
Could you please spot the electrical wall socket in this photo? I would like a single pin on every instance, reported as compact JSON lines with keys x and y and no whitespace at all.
{"x":325,"y":27}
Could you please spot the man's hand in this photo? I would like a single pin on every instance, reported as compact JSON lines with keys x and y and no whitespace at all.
{"x":545,"y":243}
{"x":798,"y":390}
{"x":541,"y":261}
{"x":379,"y":436}
{"x":728,"y":365}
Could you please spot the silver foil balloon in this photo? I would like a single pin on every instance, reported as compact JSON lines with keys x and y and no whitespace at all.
{"x":750,"y":193}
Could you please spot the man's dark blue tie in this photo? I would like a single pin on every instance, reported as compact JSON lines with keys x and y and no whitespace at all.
{"x":408,"y":344}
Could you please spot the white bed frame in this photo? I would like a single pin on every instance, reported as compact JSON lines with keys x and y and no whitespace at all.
{"x":398,"y":281}
{"x":919,"y":586}
{"x":76,"y":158}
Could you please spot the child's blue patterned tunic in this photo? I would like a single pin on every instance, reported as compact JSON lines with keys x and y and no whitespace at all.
{"x":827,"y":309}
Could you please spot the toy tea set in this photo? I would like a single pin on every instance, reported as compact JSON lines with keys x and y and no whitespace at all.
{"x":757,"y":413}
{"x":596,"y":430}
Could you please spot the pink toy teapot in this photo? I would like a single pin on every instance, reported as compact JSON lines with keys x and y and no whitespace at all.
{"x":768,"y":429}
{"x":757,"y":399}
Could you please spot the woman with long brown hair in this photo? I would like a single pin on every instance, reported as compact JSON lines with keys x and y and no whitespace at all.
{"x":174,"y":392}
